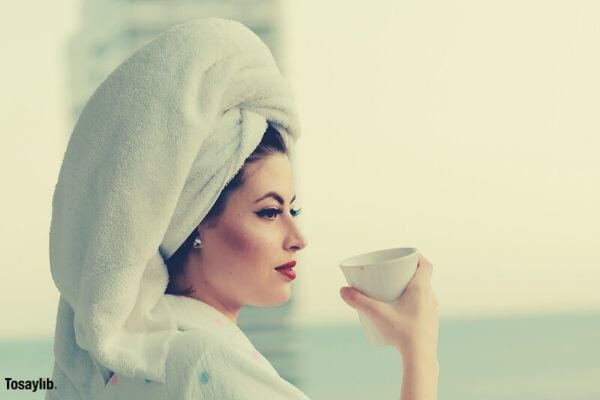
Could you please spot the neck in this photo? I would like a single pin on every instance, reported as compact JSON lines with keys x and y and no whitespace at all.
{"x":205,"y":292}
{"x":229,"y":311}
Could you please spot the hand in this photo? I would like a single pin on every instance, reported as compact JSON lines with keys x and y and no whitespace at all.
{"x":410,"y":322}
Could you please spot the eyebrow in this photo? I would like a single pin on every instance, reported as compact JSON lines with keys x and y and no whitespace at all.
{"x":276,"y":196}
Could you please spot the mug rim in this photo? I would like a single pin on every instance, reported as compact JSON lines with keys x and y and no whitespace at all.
{"x":412,"y":251}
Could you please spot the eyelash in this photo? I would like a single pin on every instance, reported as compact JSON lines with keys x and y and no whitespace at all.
{"x":276,"y":211}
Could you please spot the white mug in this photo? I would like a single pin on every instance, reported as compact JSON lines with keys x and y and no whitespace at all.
{"x":381,"y":275}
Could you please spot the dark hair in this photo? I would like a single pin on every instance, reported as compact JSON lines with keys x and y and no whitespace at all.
{"x":271,"y":142}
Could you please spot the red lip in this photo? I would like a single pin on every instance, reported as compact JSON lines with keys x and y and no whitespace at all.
{"x":287,"y":269}
{"x":289,"y":264}
{"x":288,"y":273}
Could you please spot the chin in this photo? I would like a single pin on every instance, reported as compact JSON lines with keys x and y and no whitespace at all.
{"x":282,"y":301}
{"x":285,"y":295}
{"x":276,"y":299}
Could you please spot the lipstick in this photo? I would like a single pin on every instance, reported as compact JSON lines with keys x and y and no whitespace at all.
{"x":287,"y":270}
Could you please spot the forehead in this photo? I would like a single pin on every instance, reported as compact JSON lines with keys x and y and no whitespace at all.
{"x":271,"y":173}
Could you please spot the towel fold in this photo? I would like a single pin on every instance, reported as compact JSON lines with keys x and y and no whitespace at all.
{"x":148,"y":157}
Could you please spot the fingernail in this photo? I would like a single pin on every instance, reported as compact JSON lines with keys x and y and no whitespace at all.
{"x":343,"y":291}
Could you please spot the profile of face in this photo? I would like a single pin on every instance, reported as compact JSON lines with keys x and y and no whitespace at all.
{"x":255,"y":233}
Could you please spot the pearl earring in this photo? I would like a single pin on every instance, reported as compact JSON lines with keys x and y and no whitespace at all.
{"x":197,"y":243}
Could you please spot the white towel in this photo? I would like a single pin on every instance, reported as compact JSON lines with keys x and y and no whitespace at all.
{"x":153,"y":148}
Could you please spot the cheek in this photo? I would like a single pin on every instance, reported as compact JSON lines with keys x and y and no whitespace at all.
{"x":250,"y":245}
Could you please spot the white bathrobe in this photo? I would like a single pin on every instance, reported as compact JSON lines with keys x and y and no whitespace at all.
{"x":210,"y":358}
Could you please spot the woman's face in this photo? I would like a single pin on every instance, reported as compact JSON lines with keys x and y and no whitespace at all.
{"x":253,"y":235}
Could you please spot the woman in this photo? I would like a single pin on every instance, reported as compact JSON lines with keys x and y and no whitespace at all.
{"x":173,"y":209}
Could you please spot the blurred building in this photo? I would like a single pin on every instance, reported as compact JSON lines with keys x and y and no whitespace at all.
{"x":109,"y":32}
{"x":112,"y":30}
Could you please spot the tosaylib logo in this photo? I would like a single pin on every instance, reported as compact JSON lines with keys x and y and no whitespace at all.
{"x":34,"y":386}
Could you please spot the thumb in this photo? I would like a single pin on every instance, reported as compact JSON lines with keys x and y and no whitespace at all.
{"x":357,"y":300}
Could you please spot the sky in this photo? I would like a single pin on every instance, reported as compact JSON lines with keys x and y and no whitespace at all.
{"x":466,"y":129}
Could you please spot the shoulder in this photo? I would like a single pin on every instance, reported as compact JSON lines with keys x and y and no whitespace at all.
{"x":203,"y":366}
{"x":195,"y":349}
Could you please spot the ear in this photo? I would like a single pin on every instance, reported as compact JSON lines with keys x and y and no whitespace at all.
{"x":207,"y":223}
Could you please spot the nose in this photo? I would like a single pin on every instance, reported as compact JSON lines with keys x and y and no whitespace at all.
{"x":295,"y":239}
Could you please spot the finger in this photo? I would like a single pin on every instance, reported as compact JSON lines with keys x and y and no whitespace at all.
{"x":357,"y":300}
{"x":424,"y":270}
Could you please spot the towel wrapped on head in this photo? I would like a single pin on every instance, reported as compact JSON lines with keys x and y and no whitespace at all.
{"x":153,"y":148}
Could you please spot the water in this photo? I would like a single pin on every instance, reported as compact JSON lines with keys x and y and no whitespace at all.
{"x":521,"y":358}
{"x":532,"y":358}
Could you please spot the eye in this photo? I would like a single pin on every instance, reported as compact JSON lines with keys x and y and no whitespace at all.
{"x":269,"y":213}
